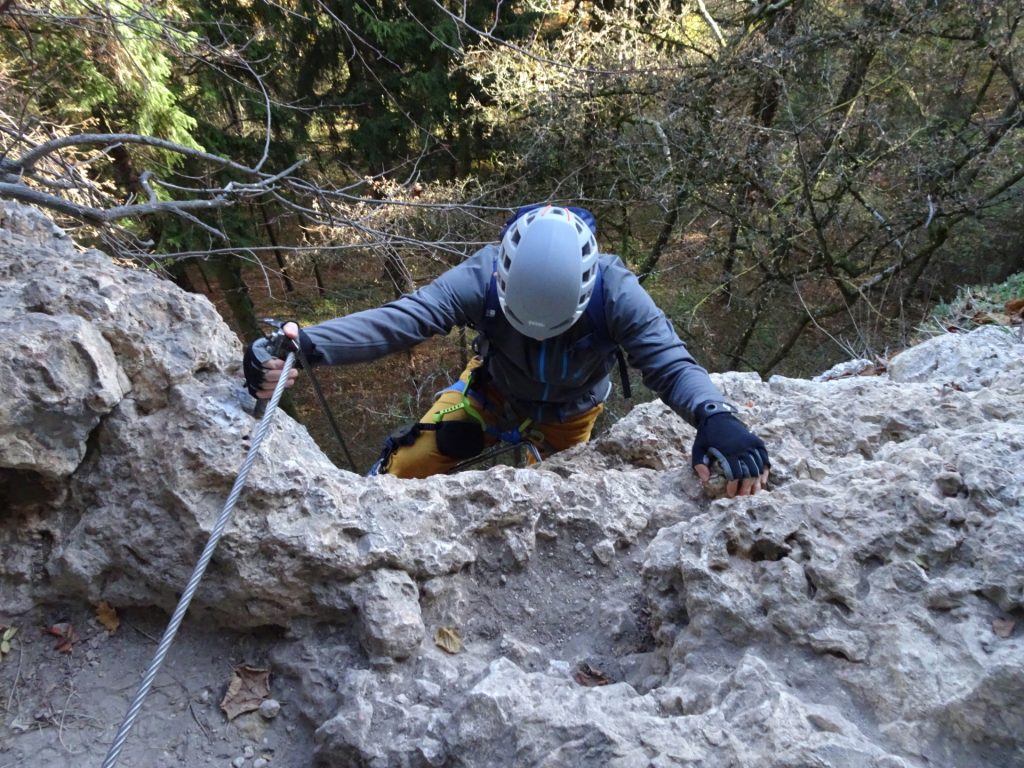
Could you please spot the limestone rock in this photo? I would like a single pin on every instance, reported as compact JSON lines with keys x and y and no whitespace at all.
{"x":864,"y":611}
{"x":61,"y":378}
{"x":991,"y":358}
{"x":389,"y":609}
{"x":511,"y":718}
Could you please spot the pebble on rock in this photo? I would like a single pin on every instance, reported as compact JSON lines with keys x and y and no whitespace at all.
{"x":270,"y":708}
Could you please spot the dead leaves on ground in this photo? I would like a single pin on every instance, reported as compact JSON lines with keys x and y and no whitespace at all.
{"x":978,"y":311}
{"x":66,"y":636}
{"x":590,"y":676}
{"x":448,"y":639}
{"x":992,"y":318}
{"x":875,"y":367}
{"x":107,"y":616}
{"x":248,"y":688}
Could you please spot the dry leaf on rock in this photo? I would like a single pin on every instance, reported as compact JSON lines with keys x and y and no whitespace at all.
{"x":65,"y":631}
{"x":590,"y":676}
{"x":248,"y":688}
{"x":990,"y":318}
{"x":1015,"y":307}
{"x":107,"y":616}
{"x":448,"y":639}
{"x":1003,"y":627}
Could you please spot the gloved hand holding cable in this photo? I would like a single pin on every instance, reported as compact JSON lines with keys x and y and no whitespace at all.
{"x":263,"y":362}
{"x":740,"y":454}
{"x":262,"y":365}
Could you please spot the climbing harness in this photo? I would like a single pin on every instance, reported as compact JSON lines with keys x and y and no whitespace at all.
{"x":519,"y":434}
{"x":197,"y":574}
{"x":464,"y":439}
{"x":496,"y":452}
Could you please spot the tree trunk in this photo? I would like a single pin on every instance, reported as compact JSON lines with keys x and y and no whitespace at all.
{"x":318,"y":277}
{"x":227,"y":272}
{"x":282,"y":266}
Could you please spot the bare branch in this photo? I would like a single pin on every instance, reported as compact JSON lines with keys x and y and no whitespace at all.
{"x":26,"y":163}
{"x":711,"y":22}
{"x":106,"y":216}
{"x":53,"y":202}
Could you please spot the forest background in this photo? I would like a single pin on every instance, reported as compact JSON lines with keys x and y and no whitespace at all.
{"x":796,"y":182}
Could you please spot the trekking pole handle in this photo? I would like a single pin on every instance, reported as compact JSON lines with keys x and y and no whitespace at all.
{"x":278,"y":345}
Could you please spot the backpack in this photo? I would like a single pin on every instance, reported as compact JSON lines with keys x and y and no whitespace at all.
{"x":594,"y":313}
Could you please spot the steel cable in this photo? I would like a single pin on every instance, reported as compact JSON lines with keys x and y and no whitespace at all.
{"x":197,"y":573}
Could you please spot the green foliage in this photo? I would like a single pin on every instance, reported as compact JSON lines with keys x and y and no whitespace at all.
{"x":977,"y":305}
{"x":770,"y":161}
{"x":145,"y":77}
{"x":74,"y":99}
{"x":406,"y":79}
{"x":90,"y":71}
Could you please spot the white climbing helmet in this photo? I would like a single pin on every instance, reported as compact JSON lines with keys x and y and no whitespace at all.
{"x":547,"y":267}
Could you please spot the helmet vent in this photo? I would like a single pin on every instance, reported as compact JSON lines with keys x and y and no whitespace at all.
{"x":554,"y":271}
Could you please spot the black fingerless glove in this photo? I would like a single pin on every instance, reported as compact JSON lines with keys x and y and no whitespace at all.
{"x":266,"y":348}
{"x":721,"y":436}
{"x":252,"y":364}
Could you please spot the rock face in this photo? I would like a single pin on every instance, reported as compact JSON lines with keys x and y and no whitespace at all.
{"x":867,"y":611}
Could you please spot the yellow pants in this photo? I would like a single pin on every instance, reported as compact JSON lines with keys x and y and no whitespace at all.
{"x":423,"y":458}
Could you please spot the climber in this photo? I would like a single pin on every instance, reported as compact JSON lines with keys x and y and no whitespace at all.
{"x":551,"y":313}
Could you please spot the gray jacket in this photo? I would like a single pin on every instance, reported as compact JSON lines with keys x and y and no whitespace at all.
{"x":548,"y":380}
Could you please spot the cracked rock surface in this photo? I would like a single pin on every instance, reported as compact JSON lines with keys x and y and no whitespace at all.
{"x":868,"y":610}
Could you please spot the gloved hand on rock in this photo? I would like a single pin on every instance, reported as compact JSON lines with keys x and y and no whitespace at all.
{"x":740,"y":454}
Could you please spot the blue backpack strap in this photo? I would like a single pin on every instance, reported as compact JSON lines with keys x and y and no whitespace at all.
{"x":588,"y":218}
{"x":595,"y":310}
{"x":491,"y":304}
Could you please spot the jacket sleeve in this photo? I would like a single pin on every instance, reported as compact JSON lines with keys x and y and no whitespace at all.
{"x":455,"y":298}
{"x":637,"y":324}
